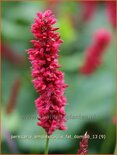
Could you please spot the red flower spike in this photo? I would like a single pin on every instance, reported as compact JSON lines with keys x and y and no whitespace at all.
{"x":14,"y":94}
{"x":94,"y":52}
{"x":48,"y":80}
{"x":111,"y":12}
{"x":89,"y":8}
{"x":83,"y":147}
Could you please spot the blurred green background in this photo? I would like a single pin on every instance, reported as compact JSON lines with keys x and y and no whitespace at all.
{"x":91,"y":99}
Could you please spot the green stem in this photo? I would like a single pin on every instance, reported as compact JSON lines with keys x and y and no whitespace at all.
{"x":46,"y":147}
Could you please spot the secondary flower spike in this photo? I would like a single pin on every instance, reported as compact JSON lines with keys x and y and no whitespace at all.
{"x":93,"y":54}
{"x":83,"y":147}
{"x":88,"y":9}
{"x":48,"y":80}
{"x":111,"y":12}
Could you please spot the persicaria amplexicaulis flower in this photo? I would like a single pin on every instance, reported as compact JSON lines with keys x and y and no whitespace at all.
{"x":89,"y":8}
{"x":48,"y":80}
{"x":111,"y":11}
{"x":93,"y":54}
{"x":83,"y":147}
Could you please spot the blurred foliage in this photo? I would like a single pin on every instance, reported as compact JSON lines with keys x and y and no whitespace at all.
{"x":92,"y":95}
